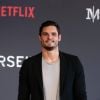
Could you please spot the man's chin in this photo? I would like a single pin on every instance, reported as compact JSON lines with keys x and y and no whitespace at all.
{"x":49,"y":48}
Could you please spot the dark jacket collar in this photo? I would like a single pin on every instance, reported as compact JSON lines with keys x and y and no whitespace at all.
{"x":63,"y":65}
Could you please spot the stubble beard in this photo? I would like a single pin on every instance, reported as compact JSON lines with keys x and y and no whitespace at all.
{"x":50,"y":48}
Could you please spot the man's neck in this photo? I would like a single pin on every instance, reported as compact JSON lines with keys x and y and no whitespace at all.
{"x":50,"y":56}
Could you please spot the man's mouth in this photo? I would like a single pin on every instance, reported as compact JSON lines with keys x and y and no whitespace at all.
{"x":49,"y":41}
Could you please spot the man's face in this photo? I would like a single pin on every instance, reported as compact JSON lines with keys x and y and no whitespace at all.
{"x":49,"y":37}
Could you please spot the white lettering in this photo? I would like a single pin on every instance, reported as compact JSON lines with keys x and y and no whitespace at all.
{"x":2,"y":60}
{"x":19,"y":60}
{"x":11,"y":61}
{"x":93,"y":14}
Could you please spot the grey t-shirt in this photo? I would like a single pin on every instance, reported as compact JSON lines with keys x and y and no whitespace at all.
{"x":50,"y":72}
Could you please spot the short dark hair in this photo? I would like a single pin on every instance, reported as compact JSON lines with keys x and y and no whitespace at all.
{"x":49,"y":23}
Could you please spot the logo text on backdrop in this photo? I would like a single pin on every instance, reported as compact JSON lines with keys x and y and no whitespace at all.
{"x":93,"y":14}
{"x":17,"y":11}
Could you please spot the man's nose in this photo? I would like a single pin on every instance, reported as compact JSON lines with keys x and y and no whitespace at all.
{"x":50,"y":36}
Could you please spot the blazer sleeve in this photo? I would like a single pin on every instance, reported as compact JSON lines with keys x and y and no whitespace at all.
{"x":79,"y":81}
{"x":23,"y":89}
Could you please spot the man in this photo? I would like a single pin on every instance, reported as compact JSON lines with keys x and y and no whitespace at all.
{"x":51,"y":74}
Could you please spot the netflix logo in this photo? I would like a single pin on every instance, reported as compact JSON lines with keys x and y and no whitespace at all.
{"x":17,"y":11}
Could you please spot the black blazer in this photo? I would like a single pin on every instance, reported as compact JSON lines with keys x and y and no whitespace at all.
{"x":72,"y":80}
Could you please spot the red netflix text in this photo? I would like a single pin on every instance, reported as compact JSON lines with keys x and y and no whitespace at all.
{"x":17,"y":11}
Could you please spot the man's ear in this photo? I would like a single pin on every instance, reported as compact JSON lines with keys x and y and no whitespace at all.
{"x":59,"y":37}
{"x":39,"y":37}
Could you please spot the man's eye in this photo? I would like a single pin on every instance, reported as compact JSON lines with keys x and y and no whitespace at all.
{"x":44,"y":33}
{"x":54,"y":34}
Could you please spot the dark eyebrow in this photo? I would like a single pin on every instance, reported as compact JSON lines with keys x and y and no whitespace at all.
{"x":44,"y":33}
{"x":54,"y":33}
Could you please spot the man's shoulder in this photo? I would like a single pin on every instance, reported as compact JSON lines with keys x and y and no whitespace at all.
{"x":73,"y":60}
{"x":30,"y":61}
{"x":34,"y":57}
{"x":68,"y":55}
{"x":38,"y":56}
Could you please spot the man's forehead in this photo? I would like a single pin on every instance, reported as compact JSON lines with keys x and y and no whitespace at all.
{"x":49,"y":28}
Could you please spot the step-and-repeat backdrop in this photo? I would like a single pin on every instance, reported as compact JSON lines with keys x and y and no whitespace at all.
{"x":19,"y":26}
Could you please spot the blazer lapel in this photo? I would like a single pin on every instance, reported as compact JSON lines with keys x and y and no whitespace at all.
{"x":39,"y":70}
{"x":63,"y":68}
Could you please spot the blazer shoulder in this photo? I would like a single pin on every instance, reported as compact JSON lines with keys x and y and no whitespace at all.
{"x":73,"y":59}
{"x":75,"y":63}
{"x":67,"y":55}
{"x":33,"y":58}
